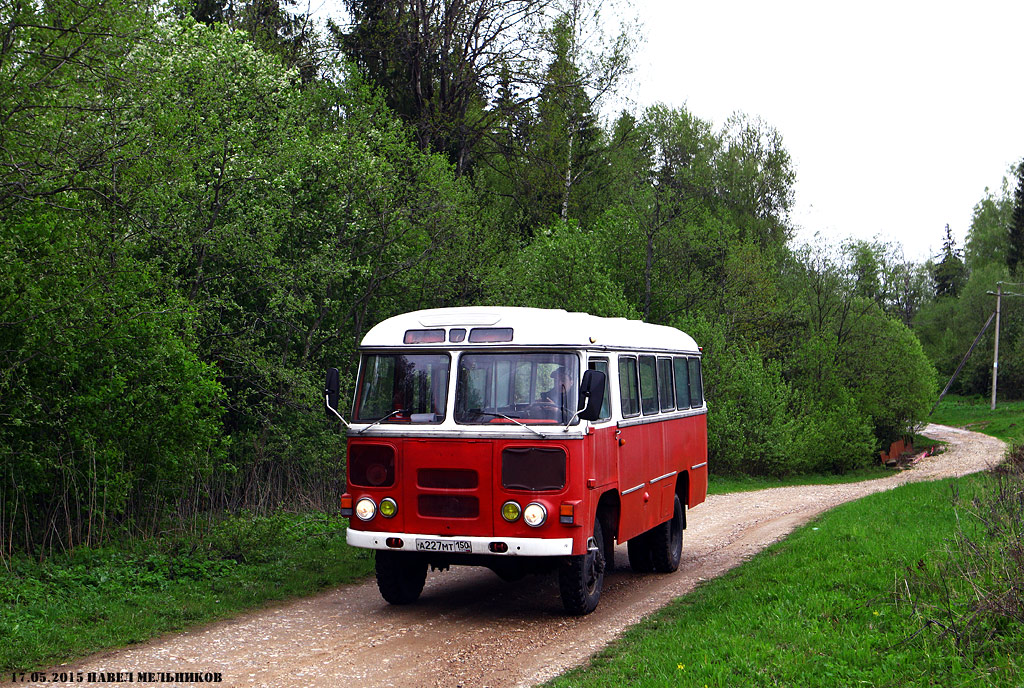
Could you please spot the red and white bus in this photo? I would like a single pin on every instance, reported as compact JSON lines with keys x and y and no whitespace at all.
{"x":523,"y":440}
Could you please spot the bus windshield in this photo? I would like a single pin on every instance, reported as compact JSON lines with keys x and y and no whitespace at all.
{"x":402,"y":388}
{"x":528,"y":387}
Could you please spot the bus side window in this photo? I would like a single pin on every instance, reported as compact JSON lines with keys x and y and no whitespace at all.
{"x":668,"y":402}
{"x":629,"y":395}
{"x":601,"y":365}
{"x":648,"y":385}
{"x":682,"y":384}
{"x":696,"y":388}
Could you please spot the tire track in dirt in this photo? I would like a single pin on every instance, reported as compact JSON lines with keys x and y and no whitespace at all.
{"x":472,"y":629}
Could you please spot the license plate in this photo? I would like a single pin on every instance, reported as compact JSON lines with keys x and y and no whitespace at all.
{"x":443,"y":545}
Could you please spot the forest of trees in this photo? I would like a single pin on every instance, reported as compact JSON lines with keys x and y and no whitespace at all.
{"x":203,"y":205}
{"x":965,"y":281}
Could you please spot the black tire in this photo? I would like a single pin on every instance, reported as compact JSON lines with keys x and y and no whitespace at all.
{"x":667,"y":541}
{"x":581,"y":577}
{"x":400,"y":577}
{"x":639,"y":551}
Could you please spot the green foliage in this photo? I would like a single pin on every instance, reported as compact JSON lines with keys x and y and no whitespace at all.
{"x":948,"y":326}
{"x":197,"y":220}
{"x":950,"y":273}
{"x":748,"y":423}
{"x":851,"y":351}
{"x":562,"y":267}
{"x":1015,"y":227}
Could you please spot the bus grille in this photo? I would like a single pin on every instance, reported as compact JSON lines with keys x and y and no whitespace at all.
{"x":449,"y":506}
{"x":447,"y":478}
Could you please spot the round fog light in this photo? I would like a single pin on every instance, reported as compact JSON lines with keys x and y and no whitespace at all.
{"x":510,"y":511}
{"x":365,"y":509}
{"x":535,"y":514}
{"x":388,"y":507}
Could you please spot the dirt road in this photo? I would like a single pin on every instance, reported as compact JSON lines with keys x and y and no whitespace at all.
{"x":471,"y":629}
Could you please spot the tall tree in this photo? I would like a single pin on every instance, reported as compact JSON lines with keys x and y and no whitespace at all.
{"x":1015,"y":252}
{"x":949,"y":274}
{"x":440,"y":62}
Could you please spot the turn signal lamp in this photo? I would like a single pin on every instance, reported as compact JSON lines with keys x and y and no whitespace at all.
{"x":510,"y":511}
{"x":388,"y":507}
{"x":565,"y":513}
{"x":346,"y":505}
{"x":535,"y":514}
{"x":365,"y":509}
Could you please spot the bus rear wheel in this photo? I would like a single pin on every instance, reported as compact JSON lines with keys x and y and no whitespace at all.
{"x":666,"y":541}
{"x":581,"y":577}
{"x":400,"y":577}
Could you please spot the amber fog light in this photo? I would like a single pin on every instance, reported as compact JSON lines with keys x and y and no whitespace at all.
{"x":388,"y":507}
{"x":535,"y":514}
{"x":510,"y":511}
{"x":365,"y":509}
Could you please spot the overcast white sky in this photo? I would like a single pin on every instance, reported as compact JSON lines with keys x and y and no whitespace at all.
{"x":897,"y":113}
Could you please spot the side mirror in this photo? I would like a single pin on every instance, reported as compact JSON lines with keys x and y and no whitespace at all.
{"x":592,"y":391}
{"x":331,"y":396}
{"x":331,"y":391}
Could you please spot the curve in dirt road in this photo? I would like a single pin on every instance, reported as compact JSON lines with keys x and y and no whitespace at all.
{"x":471,"y":629}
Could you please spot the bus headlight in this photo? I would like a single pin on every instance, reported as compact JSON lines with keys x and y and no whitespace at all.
{"x":535,"y":514}
{"x":365,"y":509}
{"x":511,"y":511}
{"x":388,"y":507}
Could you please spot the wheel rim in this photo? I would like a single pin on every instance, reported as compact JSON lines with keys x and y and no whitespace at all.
{"x":593,"y":568}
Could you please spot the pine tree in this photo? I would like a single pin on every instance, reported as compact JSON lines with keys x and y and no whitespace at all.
{"x":1015,"y":251}
{"x":950,"y":274}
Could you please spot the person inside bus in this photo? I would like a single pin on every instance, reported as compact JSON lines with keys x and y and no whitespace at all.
{"x":558,"y":397}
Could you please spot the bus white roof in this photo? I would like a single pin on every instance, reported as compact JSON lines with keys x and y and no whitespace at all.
{"x":534,"y":327}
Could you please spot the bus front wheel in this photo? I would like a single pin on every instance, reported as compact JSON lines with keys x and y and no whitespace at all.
{"x":581,"y":577}
{"x":400,"y":577}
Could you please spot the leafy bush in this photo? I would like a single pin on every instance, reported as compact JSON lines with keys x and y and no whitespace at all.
{"x":748,"y":426}
{"x":971,"y":599}
{"x":832,"y":438}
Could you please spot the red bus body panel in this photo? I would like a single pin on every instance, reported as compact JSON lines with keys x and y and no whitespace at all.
{"x":438,"y":480}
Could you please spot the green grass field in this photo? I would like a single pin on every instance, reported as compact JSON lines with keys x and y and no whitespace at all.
{"x":819,"y":609}
{"x":974,"y":413}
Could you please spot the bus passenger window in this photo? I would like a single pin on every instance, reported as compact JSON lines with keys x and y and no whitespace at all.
{"x":682,"y":384}
{"x":648,"y":385}
{"x":696,"y":388}
{"x":668,"y":402}
{"x":629,"y":396}
{"x":601,"y":365}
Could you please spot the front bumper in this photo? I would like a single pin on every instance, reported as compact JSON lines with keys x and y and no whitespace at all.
{"x":517,"y":547}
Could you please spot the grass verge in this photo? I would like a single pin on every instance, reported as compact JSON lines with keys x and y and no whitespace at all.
{"x":70,"y":606}
{"x":745,"y":483}
{"x":975,"y":413}
{"x":826,"y":607}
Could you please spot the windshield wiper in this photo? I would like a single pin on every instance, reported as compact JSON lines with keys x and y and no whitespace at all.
{"x":502,"y":415}
{"x":381,"y":420}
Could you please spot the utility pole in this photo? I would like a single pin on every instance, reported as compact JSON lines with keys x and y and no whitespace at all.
{"x":995,"y":356}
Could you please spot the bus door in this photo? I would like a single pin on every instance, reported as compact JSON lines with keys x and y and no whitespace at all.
{"x":634,"y":455}
{"x":601,"y":463}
